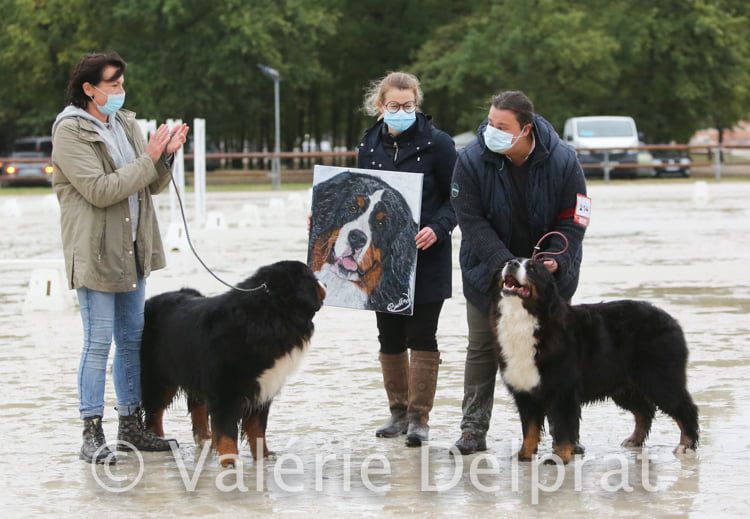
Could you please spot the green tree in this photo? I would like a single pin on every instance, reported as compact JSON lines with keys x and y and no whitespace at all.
{"x":198,"y":58}
{"x":372,"y":37}
{"x":548,"y":49}
{"x":675,"y":65}
{"x":39,"y":43}
{"x":187,"y":58}
{"x":685,"y":65}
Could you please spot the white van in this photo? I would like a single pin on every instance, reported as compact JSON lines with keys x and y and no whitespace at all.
{"x":610,"y":132}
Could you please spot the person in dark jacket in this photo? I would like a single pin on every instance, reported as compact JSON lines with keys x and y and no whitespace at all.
{"x":404,"y":139}
{"x":513,"y":184}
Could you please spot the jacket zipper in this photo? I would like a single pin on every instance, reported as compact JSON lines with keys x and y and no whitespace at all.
{"x":395,"y":155}
{"x":101,"y":242}
{"x":104,"y":236}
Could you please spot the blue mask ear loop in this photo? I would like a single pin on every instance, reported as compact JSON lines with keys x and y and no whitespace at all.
{"x":102,"y":92}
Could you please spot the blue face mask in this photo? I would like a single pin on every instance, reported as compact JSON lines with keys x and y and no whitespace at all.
{"x":114,"y":103}
{"x":400,"y":121}
{"x":498,"y":140}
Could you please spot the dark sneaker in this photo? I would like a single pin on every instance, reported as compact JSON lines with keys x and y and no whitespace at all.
{"x":469,"y":443}
{"x":133,"y":431}
{"x":94,"y":448}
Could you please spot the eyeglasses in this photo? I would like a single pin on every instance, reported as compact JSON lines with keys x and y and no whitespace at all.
{"x":394,"y":107}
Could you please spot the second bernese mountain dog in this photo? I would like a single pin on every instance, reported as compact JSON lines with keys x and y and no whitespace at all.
{"x":229,"y":354}
{"x":362,"y":242}
{"x":555,"y":357}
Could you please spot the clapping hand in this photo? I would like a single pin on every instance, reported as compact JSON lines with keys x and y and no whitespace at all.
{"x":178,"y":136}
{"x":158,"y":142}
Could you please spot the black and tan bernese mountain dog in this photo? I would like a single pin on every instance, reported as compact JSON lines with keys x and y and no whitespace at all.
{"x":229,"y":354}
{"x":362,"y":242}
{"x":555,"y":357}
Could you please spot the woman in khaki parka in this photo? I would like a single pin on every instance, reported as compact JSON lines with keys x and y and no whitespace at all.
{"x":104,"y":175}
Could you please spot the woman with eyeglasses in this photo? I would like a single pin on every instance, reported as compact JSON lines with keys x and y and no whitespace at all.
{"x":404,"y":139}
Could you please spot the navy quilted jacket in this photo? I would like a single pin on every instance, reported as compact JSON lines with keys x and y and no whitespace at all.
{"x":481,"y":198}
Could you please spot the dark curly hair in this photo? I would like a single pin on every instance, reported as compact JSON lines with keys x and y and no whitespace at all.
{"x":89,"y":70}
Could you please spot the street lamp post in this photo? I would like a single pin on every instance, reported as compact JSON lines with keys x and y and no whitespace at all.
{"x":274,"y":75}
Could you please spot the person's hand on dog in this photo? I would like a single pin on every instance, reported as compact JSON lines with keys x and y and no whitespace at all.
{"x":551,"y":265}
{"x":426,"y":238}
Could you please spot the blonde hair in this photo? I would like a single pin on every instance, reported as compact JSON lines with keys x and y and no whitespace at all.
{"x":375,"y":92}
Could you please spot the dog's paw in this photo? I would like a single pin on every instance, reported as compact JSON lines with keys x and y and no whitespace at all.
{"x":524,"y":456}
{"x":685,"y":452}
{"x":578,"y":448}
{"x":200,"y":441}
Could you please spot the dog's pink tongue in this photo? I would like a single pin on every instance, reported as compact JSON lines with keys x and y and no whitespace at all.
{"x":348,"y":263}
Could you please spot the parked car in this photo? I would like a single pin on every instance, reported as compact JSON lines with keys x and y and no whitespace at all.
{"x":34,"y":168}
{"x":671,"y":162}
{"x":607,"y":133}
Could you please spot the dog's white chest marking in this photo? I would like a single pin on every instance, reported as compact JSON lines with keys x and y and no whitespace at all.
{"x":272,"y":379}
{"x":515,"y":331}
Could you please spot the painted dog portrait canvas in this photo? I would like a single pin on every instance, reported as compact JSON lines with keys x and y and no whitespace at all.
{"x":362,"y":237}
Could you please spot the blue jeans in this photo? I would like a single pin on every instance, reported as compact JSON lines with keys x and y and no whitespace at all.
{"x":105,"y":314}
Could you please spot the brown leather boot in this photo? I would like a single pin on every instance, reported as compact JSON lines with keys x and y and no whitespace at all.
{"x":396,"y":381}
{"x":423,"y":371}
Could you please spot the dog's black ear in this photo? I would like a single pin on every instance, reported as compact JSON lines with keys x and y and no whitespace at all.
{"x":290,"y":284}
{"x":328,"y":197}
{"x":397,"y":241}
{"x":497,"y":283}
{"x":308,"y":294}
{"x":546,"y":284}
{"x":398,"y":266}
{"x":326,"y":200}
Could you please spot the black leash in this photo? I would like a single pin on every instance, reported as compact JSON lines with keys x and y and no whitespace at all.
{"x":262,"y":286}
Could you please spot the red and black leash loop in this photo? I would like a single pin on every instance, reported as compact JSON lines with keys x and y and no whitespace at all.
{"x":539,"y":255}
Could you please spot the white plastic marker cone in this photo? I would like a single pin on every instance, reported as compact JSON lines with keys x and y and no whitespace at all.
{"x":176,"y":239}
{"x":250,"y":216}
{"x":48,"y":291}
{"x":11,"y":209}
{"x":215,"y":220}
{"x":701,"y":195}
{"x":277,"y":210}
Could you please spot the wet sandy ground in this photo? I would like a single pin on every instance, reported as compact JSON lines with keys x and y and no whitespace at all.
{"x":681,"y":247}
